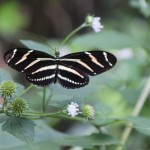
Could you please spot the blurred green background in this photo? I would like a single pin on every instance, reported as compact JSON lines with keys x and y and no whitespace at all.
{"x":126,"y":34}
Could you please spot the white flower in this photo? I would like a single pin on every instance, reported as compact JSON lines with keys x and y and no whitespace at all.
{"x":96,"y":24}
{"x":73,"y":109}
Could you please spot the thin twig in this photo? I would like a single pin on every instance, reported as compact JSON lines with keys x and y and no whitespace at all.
{"x":71,"y":34}
{"x":44,"y":99}
{"x":49,"y":98}
{"x":139,"y":105}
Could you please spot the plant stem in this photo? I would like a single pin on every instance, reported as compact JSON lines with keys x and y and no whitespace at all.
{"x":71,"y":34}
{"x":42,"y":114}
{"x":139,"y":105}
{"x":45,"y":41}
{"x":26,"y":90}
{"x":44,"y":98}
{"x":4,"y":103}
{"x":59,"y":115}
{"x":49,"y":98}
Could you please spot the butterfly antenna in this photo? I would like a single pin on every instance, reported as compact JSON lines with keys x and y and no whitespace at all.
{"x":47,"y":44}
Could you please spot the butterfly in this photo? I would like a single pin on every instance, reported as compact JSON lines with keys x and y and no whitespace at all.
{"x":71,"y":71}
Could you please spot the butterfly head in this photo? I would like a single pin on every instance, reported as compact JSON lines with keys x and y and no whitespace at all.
{"x":57,"y":53}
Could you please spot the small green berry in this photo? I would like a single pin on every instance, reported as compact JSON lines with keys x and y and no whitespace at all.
{"x":89,"y":19}
{"x":19,"y":106}
{"x":88,"y":111}
{"x":8,"y":88}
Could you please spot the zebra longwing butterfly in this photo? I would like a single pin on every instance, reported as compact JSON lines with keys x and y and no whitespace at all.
{"x":71,"y":71}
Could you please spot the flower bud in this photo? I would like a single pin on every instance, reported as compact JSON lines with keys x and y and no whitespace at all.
{"x":8,"y":88}
{"x":88,"y":111}
{"x":19,"y":106}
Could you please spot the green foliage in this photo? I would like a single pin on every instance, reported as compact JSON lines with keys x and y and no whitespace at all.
{"x":4,"y":76}
{"x":11,"y":18}
{"x":106,"y":40}
{"x":142,"y":6}
{"x":89,"y":141}
{"x":21,"y":128}
{"x":141,"y":124}
{"x":46,"y":137}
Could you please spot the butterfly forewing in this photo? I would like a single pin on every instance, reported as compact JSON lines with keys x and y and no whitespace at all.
{"x":27,"y":60}
{"x":39,"y":67}
{"x":90,"y":62}
{"x":71,"y":77}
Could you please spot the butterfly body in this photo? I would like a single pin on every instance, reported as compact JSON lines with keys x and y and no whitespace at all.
{"x":71,"y":71}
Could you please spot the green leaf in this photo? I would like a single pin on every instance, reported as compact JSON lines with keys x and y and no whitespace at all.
{"x":104,"y":40}
{"x":20,"y":88}
{"x":141,"y":124}
{"x":88,"y":141}
{"x":21,"y":128}
{"x":101,"y":121}
{"x":42,"y":140}
{"x":4,"y":76}
{"x":143,"y":7}
{"x":3,"y":118}
{"x":47,"y":138}
{"x":130,"y":94}
{"x":61,"y":92}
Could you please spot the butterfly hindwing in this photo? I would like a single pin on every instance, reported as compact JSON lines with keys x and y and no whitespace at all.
{"x":90,"y":62}
{"x":42,"y":79}
{"x":71,"y":77}
{"x":44,"y":75}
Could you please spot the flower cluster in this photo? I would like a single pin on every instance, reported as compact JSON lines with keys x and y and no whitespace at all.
{"x":87,"y":111}
{"x":73,"y":109}
{"x":15,"y":106}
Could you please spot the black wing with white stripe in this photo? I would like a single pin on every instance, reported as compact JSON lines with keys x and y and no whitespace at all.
{"x":90,"y":62}
{"x":27,"y":60}
{"x":71,"y":77}
{"x":76,"y":67}
{"x":39,"y":67}
{"x":71,"y":71}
